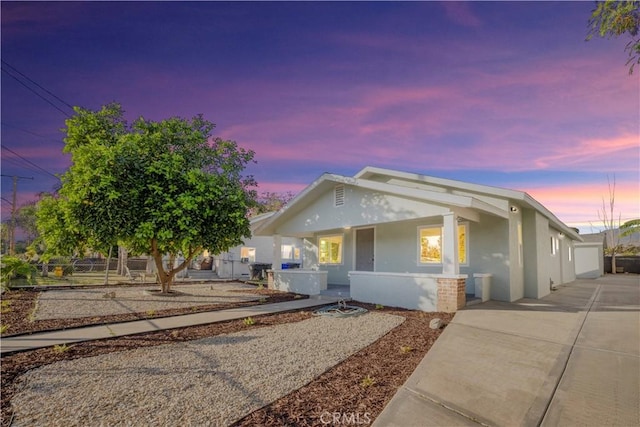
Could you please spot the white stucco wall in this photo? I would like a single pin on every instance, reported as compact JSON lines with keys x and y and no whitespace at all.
{"x":362,"y":207}
{"x":537,"y":249}
{"x":568,"y":259}
{"x":489,"y":254}
{"x":516,"y":260}
{"x":411,"y":291}
{"x":306,"y":282}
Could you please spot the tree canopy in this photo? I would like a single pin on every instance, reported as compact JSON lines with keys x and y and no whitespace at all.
{"x":271,"y":202}
{"x":614,"y":18}
{"x":630,"y":227}
{"x":158,"y":187}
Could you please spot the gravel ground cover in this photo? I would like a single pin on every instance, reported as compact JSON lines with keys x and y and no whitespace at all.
{"x":19,"y":307}
{"x":90,"y":302}
{"x":211,"y":381}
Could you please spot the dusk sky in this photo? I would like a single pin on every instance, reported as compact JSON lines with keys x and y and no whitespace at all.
{"x":507,"y":94}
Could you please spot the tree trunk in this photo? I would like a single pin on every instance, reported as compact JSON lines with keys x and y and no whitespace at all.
{"x":106,"y":269}
{"x":165,"y":277}
{"x":613,"y":263}
{"x":122,"y":260}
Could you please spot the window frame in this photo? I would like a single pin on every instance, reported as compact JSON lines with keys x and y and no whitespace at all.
{"x":555,"y":245}
{"x":341,"y":254}
{"x":440,"y":227}
{"x":287,"y":252}
{"x":248,"y":249}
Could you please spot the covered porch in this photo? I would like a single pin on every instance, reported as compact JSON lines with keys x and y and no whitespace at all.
{"x":385,"y":243}
{"x":439,"y":287}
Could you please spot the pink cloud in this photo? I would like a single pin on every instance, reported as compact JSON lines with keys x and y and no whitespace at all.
{"x":281,"y":187}
{"x":595,"y":153}
{"x":527,"y":116}
{"x":581,"y":204}
{"x":19,"y":19}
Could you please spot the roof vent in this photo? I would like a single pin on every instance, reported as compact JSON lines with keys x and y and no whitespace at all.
{"x":338,"y":194}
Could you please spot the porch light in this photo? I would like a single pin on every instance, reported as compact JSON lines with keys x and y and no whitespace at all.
{"x":513,"y":209}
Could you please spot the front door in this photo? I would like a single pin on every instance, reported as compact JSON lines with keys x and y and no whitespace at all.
{"x":364,"y":249}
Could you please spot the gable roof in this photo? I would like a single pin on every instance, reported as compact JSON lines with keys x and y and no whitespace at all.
{"x":458,"y":194}
{"x":514,"y":195}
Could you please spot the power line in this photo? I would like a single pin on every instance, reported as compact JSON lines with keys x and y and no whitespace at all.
{"x":18,"y":163}
{"x":35,"y":92}
{"x":12,"y":240}
{"x":29,"y":161}
{"x":27,"y":77}
{"x":31,"y":133}
{"x":38,"y":85}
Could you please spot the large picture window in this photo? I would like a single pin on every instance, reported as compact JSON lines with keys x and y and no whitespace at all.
{"x":430,"y":244}
{"x":330,"y":249}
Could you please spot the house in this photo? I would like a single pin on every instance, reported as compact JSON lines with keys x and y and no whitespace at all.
{"x":257,"y":251}
{"x":420,"y":242}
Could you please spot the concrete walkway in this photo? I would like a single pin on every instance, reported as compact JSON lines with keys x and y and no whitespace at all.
{"x":572,"y":358}
{"x":68,"y":336}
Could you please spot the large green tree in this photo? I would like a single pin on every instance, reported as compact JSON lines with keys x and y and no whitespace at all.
{"x":614,"y":18}
{"x":166,"y":188}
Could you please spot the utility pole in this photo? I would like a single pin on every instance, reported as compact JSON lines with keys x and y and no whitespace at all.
{"x":12,"y":228}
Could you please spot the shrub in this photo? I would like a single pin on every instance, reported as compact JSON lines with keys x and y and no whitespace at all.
{"x":406,"y":349}
{"x":367,"y":381}
{"x":62,"y":348}
{"x":15,"y":268}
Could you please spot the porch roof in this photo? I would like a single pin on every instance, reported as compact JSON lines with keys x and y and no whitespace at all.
{"x":458,"y":187}
{"x":465,"y":205}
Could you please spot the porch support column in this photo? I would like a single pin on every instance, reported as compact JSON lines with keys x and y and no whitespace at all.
{"x":277,"y":252}
{"x":450,"y":263}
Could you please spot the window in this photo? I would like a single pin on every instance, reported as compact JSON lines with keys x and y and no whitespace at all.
{"x":287,"y":251}
{"x":290,"y":252}
{"x":554,"y":245}
{"x":520,"y":253}
{"x":330,"y":250}
{"x":248,"y":254}
{"x":430,"y":239}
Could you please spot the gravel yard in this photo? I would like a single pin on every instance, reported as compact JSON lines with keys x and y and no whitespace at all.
{"x":211,"y":381}
{"x":91,"y":302}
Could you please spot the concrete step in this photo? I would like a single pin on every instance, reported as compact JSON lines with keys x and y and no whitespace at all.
{"x":202,"y":274}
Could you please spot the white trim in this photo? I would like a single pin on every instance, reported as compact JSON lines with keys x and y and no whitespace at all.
{"x":320,"y":236}
{"x":419,"y":263}
{"x":423,"y":275}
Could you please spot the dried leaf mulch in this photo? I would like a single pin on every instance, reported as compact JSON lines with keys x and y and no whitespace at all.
{"x":356,"y":389}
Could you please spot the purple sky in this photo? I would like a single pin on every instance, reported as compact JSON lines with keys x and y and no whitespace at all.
{"x":499,"y":93}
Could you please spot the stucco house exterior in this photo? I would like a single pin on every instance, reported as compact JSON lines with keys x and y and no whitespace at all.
{"x":257,"y":250}
{"x":420,"y":242}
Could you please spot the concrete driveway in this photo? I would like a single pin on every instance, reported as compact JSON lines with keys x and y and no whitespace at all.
{"x":571,"y":358}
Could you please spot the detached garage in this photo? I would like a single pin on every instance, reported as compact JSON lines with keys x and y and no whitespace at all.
{"x":589,"y":258}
